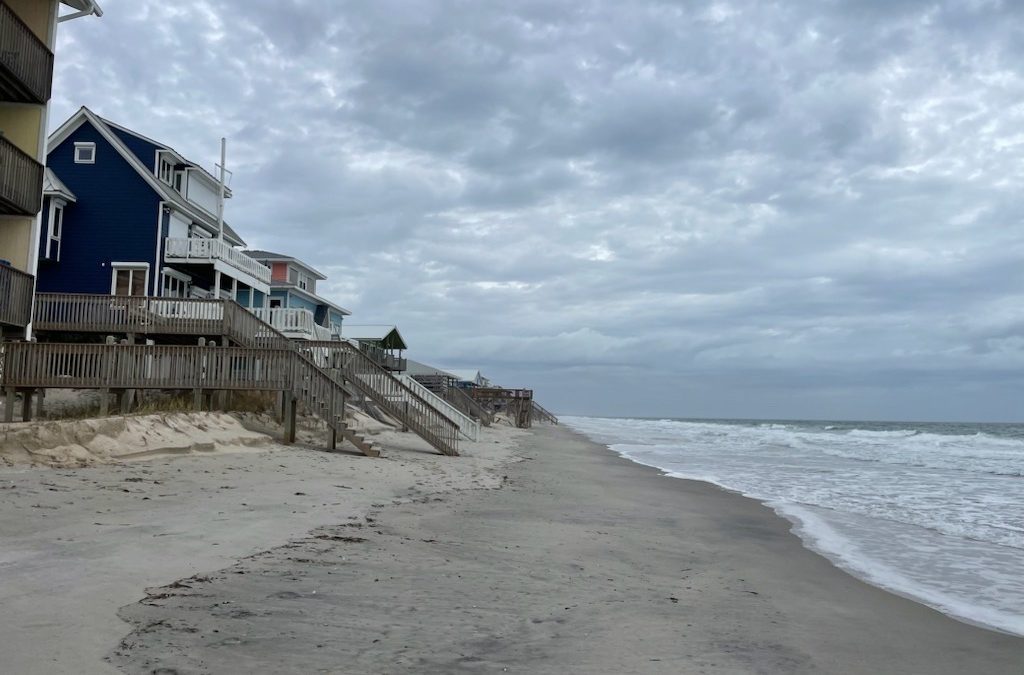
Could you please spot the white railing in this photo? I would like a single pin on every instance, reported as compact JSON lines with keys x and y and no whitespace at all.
{"x":468,"y":427}
{"x":321,"y":333}
{"x":293,"y":322}
{"x":200,"y":249}
{"x":290,"y":321}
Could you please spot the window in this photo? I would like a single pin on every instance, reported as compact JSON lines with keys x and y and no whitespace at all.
{"x":54,"y":230}
{"x":275,"y":303}
{"x":129,"y":278}
{"x":177,"y":180}
{"x":303,"y":282}
{"x":85,"y":153}
{"x":166,"y":171}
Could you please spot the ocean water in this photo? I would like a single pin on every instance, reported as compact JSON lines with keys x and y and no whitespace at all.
{"x":931,"y":511}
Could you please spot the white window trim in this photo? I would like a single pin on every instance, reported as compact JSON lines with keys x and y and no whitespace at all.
{"x":55,"y":205}
{"x":85,"y":146}
{"x":169,"y":180}
{"x":115,"y":267}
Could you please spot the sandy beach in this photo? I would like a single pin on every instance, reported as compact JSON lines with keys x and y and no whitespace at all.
{"x":580,"y":562}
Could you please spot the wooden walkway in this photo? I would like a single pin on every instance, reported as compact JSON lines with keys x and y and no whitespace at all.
{"x":517,"y":403}
{"x":260,"y":358}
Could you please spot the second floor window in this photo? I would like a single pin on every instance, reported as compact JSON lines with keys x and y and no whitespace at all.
{"x":166,"y":171}
{"x":85,"y":153}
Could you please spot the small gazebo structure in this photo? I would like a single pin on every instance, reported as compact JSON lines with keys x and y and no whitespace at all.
{"x":383,"y":343}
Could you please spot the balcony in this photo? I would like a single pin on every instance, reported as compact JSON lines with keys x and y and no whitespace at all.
{"x":16,"y":289}
{"x":384,"y":358}
{"x":295,"y":323}
{"x":21,"y":181}
{"x":26,"y":65}
{"x":224,"y":258}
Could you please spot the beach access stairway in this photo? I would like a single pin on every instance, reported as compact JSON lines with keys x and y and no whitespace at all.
{"x":468,"y":427}
{"x":462,"y":401}
{"x":543,"y":414}
{"x":259,"y":358}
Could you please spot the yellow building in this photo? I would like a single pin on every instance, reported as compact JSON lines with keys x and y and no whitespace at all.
{"x":28,"y":30}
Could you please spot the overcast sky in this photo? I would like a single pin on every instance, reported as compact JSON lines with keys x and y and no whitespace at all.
{"x":729,"y":209}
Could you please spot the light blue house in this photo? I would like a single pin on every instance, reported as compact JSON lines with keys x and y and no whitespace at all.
{"x":294,"y":307}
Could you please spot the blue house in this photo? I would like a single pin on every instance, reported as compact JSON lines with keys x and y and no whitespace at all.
{"x":126,"y":215}
{"x":294,"y":307}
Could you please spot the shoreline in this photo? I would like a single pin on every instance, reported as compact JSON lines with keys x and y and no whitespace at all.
{"x":811,"y":542}
{"x":583,"y":561}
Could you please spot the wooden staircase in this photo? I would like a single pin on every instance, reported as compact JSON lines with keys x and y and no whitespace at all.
{"x":317,"y":372}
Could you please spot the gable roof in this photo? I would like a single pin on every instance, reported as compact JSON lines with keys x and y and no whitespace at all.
{"x":414,"y":368}
{"x":387,"y":336}
{"x":257,"y":254}
{"x":106,"y":130}
{"x":53,"y":187}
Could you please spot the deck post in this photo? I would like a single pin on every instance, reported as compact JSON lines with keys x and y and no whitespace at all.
{"x":104,"y":402}
{"x":279,"y":408}
{"x":405,"y":425}
{"x":40,"y":399}
{"x":26,"y":405}
{"x":289,"y":418}
{"x":197,"y":399}
{"x":124,"y":400}
{"x":9,"y":405}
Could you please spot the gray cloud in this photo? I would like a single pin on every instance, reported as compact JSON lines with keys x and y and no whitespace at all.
{"x":727,"y":208}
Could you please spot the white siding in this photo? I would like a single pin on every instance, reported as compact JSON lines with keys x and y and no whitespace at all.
{"x":177,"y":227}
{"x":201,"y":194}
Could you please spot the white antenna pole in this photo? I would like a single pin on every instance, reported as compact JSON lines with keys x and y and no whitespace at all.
{"x":220,"y":201}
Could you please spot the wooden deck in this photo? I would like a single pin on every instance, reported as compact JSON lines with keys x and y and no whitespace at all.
{"x":517,"y":403}
{"x":261,"y":358}
{"x":15,"y":297}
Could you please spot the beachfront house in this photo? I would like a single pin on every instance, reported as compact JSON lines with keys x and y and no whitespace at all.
{"x":293,"y":306}
{"x":123,"y":214}
{"x":28,"y":37}
{"x":384,"y":344}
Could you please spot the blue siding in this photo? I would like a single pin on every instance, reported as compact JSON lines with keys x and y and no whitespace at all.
{"x":296,"y":302}
{"x":114,"y":219}
{"x":249,"y":297}
{"x":144,"y":150}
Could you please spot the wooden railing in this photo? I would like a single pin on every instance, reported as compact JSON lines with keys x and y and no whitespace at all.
{"x":114,"y":366}
{"x":468,"y":427}
{"x":458,"y":398}
{"x":15,"y":296}
{"x":542,"y":413}
{"x":26,"y":64}
{"x":21,"y":181}
{"x":315,"y":362}
{"x":73,"y":312}
{"x":386,"y":390}
{"x":201,"y":249}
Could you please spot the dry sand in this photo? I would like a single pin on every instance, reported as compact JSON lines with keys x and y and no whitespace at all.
{"x":582,"y":563}
{"x":78,"y":544}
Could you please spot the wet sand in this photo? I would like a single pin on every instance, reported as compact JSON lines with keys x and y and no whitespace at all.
{"x":581,"y":563}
